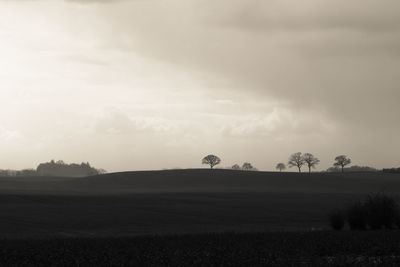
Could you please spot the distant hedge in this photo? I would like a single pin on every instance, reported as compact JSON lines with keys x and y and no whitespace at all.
{"x":392,"y":170}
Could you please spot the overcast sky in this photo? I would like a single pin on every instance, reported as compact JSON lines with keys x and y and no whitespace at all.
{"x":153,"y":84}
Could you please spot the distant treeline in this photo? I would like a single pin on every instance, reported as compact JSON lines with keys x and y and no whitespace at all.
{"x":392,"y":170}
{"x":56,"y":168}
{"x":354,"y":168}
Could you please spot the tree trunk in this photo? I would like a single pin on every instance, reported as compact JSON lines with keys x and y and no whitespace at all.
{"x":309,"y":169}
{"x":299,"y":169}
{"x":342,"y":168}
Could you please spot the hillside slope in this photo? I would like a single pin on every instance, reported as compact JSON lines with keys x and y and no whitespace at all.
{"x":204,"y":180}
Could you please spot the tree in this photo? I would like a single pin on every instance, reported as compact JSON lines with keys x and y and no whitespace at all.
{"x":310,"y":160}
{"x":280,"y":166}
{"x":211,"y":160}
{"x":296,"y":160}
{"x":342,"y":161}
{"x":236,"y":167}
{"x":247,"y":166}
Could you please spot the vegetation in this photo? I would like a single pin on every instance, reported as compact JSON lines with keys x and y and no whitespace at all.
{"x":296,"y":160}
{"x":55,"y":169}
{"x":354,"y":168}
{"x":227,"y":249}
{"x":247,"y":166}
{"x":392,"y":170}
{"x":337,"y":220}
{"x":235,"y":167}
{"x":211,"y":160}
{"x":60,"y":168}
{"x":377,"y":211}
{"x":310,"y":160}
{"x":342,"y":161}
{"x":280,"y":166}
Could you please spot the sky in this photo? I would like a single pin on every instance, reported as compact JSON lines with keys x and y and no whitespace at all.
{"x":158,"y":84}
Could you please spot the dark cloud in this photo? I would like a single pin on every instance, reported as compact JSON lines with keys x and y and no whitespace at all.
{"x":337,"y":55}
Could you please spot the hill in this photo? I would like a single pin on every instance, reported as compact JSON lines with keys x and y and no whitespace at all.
{"x":205,"y":180}
{"x":179,"y":201}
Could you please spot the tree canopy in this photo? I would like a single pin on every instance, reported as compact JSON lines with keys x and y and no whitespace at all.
{"x":211,"y":160}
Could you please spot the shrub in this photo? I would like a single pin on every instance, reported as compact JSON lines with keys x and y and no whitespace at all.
{"x":381,"y":210}
{"x":357,"y":216}
{"x":337,"y":220}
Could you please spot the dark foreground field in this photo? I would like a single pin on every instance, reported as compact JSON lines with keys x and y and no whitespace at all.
{"x":228,"y":249}
{"x":177,"y":202}
{"x":279,"y":219}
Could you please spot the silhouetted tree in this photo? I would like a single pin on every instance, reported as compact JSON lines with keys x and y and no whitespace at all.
{"x":236,"y":167}
{"x":342,"y":161}
{"x":247,"y":166}
{"x":280,"y":166}
{"x":310,"y":160}
{"x":211,"y":160}
{"x":296,"y":160}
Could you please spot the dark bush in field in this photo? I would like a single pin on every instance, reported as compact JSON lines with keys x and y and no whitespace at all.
{"x":376,"y":212}
{"x":381,"y":210}
{"x":337,"y":220}
{"x":357,"y":216}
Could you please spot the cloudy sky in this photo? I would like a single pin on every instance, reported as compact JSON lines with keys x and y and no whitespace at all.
{"x":153,"y":84}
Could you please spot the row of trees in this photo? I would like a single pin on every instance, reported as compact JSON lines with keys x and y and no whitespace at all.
{"x":295,"y":160}
{"x":246,"y":167}
{"x":55,"y":168}
{"x":299,"y":160}
{"x":60,"y":168}
{"x":213,"y":160}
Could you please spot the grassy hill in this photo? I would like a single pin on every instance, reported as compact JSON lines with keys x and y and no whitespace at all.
{"x":205,"y":180}
{"x":179,"y":201}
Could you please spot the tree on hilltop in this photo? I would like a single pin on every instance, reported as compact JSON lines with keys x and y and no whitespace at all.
{"x":280,"y":166}
{"x":247,"y":166}
{"x":311,"y":161}
{"x":342,"y":161}
{"x":235,"y":167}
{"x":211,"y":160}
{"x":296,"y":160}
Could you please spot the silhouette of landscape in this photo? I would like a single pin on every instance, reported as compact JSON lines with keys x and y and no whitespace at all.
{"x":199,"y":133}
{"x":180,"y":201}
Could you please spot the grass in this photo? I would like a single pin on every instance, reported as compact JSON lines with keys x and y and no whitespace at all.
{"x":226,"y":249}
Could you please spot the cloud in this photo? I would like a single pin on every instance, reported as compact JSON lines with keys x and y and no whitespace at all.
{"x":96,"y":1}
{"x":336,"y":56}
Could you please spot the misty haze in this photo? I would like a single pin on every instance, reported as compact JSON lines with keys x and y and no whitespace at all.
{"x":199,"y":133}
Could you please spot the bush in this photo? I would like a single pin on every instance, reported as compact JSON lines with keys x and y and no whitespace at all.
{"x":337,"y":220}
{"x":382,"y":211}
{"x":357,"y":216}
{"x":376,"y":212}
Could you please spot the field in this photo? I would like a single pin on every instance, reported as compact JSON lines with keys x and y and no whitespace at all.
{"x":180,"y":201}
{"x":256,"y":219}
{"x":228,"y":249}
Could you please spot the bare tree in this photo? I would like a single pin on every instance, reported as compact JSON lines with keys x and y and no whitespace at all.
{"x":247,"y":166}
{"x":342,"y":161}
{"x":211,"y":160}
{"x":236,"y":167}
{"x":310,"y":160}
{"x":280,"y":166}
{"x":296,"y":160}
